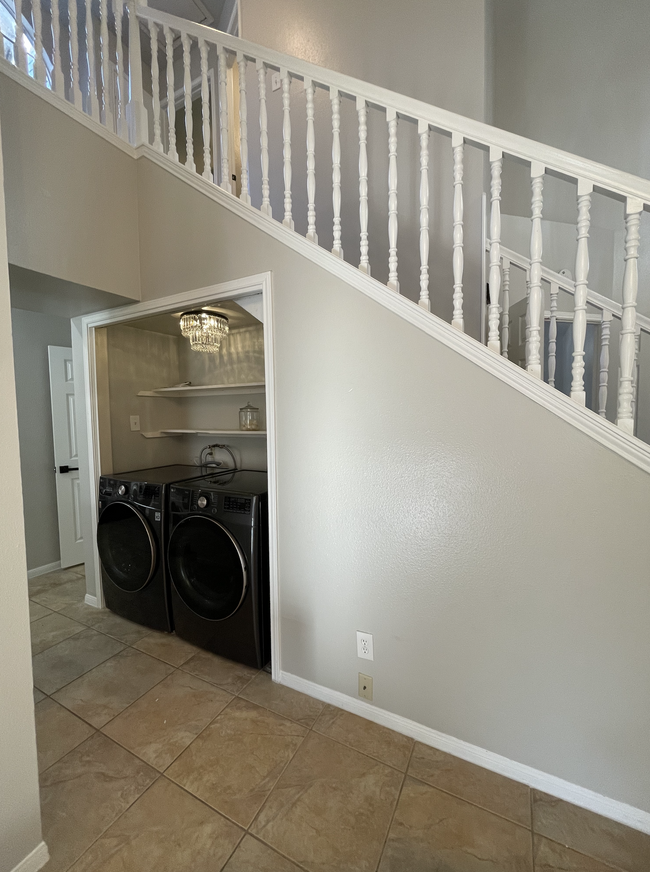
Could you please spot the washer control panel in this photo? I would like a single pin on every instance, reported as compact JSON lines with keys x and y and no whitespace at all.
{"x":140,"y":492}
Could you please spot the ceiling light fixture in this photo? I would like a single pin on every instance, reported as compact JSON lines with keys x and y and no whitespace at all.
{"x":205,"y":330}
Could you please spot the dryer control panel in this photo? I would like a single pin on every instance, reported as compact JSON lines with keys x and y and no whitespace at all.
{"x":207,"y":502}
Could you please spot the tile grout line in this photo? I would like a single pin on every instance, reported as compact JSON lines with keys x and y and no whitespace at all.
{"x":392,"y":817}
{"x":532,"y":829}
{"x":104,"y":831}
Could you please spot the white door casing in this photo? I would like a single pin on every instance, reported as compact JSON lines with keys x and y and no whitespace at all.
{"x":66,"y":455}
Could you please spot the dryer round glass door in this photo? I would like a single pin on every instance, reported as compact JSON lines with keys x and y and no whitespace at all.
{"x":207,"y":568}
{"x":126,"y":547}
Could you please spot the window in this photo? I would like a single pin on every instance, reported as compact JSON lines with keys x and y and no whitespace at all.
{"x":8,"y":29}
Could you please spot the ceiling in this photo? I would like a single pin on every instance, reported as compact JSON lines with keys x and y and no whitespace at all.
{"x":238,"y":319}
{"x":206,"y":12}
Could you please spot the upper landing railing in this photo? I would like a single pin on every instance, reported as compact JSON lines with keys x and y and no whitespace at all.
{"x":149,"y":77}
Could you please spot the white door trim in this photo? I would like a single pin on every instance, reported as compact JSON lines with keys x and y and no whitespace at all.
{"x":247,"y":286}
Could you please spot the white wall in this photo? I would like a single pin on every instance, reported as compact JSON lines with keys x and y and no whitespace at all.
{"x":20,"y":817}
{"x":415,"y":502}
{"x":431,"y":51}
{"x":32,"y":333}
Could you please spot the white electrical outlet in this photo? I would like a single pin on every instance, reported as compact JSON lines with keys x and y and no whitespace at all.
{"x":276,"y":82}
{"x":135,"y":422}
{"x":365,"y":686}
{"x":364,"y":646}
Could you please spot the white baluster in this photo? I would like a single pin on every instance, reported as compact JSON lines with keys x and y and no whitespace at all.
{"x":423,"y":132}
{"x":136,"y":112}
{"x":92,"y":107}
{"x":311,"y":163}
{"x":362,"y":114}
{"x":75,"y":74}
{"x":496,"y":165}
{"x":578,"y":392}
{"x":39,"y":63}
{"x":121,"y":72}
{"x":264,"y":139}
{"x":552,"y":335}
{"x":505,"y":309}
{"x":155,"y":85}
{"x":534,"y":365}
{"x":286,"y":145}
{"x":171,"y":99}
{"x":458,"y":257}
{"x":527,"y":349}
{"x":20,"y":55}
{"x":205,"y":110}
{"x":625,"y":419}
{"x":59,"y":81}
{"x":393,"y":227}
{"x":104,"y":49}
{"x":187,"y":93}
{"x":335,"y":100}
{"x":605,"y":327}
{"x":224,"y":109}
{"x":635,"y":375}
{"x":244,"y":194}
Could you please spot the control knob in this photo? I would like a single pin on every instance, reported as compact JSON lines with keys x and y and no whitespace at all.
{"x":121,"y":490}
{"x":202,"y":502}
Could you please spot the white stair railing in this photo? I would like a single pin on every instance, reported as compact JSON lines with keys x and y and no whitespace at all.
{"x":98,"y":47}
{"x":607,"y":311}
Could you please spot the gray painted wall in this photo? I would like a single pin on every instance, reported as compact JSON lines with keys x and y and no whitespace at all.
{"x":71,"y":197}
{"x":20,"y":815}
{"x":577,"y":76}
{"x":32,"y":333}
{"x":498,"y":555}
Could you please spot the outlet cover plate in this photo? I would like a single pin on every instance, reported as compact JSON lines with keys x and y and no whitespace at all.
{"x":364,"y":646}
{"x":365,"y":686}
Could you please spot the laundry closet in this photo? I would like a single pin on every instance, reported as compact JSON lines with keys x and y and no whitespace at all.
{"x":160,"y":402}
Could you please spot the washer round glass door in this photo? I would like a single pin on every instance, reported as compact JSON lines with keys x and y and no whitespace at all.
{"x":207,"y":568}
{"x":126,"y":547}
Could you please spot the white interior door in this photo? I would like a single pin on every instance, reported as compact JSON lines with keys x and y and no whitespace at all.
{"x":66,"y":457}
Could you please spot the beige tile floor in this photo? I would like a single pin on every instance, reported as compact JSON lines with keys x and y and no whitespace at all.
{"x":156,"y":757}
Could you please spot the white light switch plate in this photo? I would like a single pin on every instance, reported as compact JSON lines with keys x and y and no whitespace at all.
{"x":276,"y":82}
{"x":135,"y":422}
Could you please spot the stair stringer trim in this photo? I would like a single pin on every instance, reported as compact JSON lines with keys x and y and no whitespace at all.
{"x":603,"y":431}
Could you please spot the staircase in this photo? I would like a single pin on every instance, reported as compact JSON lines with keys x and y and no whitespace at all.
{"x":147,"y":78}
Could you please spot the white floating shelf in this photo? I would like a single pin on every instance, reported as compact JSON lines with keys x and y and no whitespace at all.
{"x":205,"y":390}
{"x":161,"y":434}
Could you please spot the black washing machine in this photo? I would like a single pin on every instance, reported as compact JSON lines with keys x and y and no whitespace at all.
{"x":218,"y":561}
{"x":131,"y":539}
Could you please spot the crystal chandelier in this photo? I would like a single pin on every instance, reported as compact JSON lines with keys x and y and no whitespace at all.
{"x":205,"y":330}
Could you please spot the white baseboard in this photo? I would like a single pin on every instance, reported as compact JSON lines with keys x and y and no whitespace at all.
{"x":43,"y":570}
{"x":573,"y":793}
{"x":91,"y":600}
{"x":35,"y":860}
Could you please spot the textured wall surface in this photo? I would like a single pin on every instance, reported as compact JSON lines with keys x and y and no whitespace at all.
{"x":498,"y":555}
